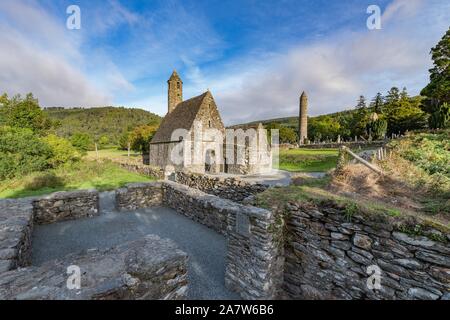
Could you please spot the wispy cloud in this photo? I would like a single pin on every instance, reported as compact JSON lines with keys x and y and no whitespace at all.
{"x":38,"y":54}
{"x":336,"y":69}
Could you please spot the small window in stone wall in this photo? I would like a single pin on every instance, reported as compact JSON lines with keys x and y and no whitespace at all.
{"x":209,"y":123}
{"x":178,"y":85}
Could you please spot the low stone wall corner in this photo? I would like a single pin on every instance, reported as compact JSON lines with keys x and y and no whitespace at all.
{"x":150,"y":268}
{"x":139,"y":195}
{"x":61,"y":206}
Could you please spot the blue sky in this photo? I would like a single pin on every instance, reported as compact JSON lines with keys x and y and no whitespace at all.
{"x":255,"y":56}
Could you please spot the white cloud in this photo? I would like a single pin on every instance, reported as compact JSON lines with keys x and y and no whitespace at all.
{"x":39,"y":55}
{"x":337,"y":69}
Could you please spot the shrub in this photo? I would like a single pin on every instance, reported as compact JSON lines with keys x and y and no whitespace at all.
{"x":22,"y":152}
{"x":82,"y":141}
{"x":378,"y":128}
{"x":62,"y":151}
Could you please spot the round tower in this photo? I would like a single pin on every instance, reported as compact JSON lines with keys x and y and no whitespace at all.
{"x":175,"y":91}
{"x":303,"y":119}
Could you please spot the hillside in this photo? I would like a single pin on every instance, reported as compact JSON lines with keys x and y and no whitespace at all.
{"x":292,"y":122}
{"x":107,"y":121}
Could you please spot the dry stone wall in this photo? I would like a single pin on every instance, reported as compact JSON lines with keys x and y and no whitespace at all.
{"x":327,"y":257}
{"x":197,"y":205}
{"x":62,"y":206}
{"x":149,"y":268}
{"x":16,"y":227}
{"x":227,"y":188}
{"x":139,"y":195}
{"x":254,"y":265}
{"x":143,"y":169}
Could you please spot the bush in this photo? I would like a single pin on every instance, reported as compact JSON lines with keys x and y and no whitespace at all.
{"x":82,"y":141}
{"x":62,"y":151}
{"x":378,"y":128}
{"x":22,"y":152}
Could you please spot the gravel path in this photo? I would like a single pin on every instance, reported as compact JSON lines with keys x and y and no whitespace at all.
{"x":205,"y":247}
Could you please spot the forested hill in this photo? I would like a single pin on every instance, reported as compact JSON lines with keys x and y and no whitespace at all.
{"x":111,"y":122}
{"x":292,"y":122}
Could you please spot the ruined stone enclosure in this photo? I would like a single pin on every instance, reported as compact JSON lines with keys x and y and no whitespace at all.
{"x":170,"y":240}
{"x":145,"y":241}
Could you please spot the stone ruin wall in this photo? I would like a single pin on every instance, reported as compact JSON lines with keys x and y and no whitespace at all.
{"x":319,"y":253}
{"x":326,"y":257}
{"x":139,"y":195}
{"x":146,"y":170}
{"x":254,"y":263}
{"x":227,"y":188}
{"x":160,"y":271}
{"x":61,"y":206}
{"x":149,"y":268}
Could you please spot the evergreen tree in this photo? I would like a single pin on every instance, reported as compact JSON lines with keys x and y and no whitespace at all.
{"x":439,"y":87}
{"x":440,"y":119}
{"x":377,"y":103}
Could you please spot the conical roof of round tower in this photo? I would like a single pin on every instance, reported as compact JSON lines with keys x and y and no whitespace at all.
{"x":175,"y":76}
{"x":303,"y":94}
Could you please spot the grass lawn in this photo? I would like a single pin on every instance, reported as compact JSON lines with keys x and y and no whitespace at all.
{"x":308,"y":160}
{"x":113,"y":153}
{"x":84,"y":175}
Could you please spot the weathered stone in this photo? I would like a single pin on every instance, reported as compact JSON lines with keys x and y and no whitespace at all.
{"x":338,"y":236}
{"x":362,"y":241}
{"x":61,"y":206}
{"x":409,"y":263}
{"x":421,"y":294}
{"x":150,"y":268}
{"x":418,"y":241}
{"x":227,"y":188}
{"x":359,"y":258}
{"x":433,"y":258}
{"x":139,"y":195}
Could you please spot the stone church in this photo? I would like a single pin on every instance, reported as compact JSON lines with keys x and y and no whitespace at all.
{"x":198,"y":116}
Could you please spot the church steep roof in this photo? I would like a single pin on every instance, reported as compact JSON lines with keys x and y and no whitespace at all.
{"x":182,"y":117}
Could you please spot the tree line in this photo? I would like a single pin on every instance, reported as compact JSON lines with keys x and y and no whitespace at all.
{"x":395,"y":112}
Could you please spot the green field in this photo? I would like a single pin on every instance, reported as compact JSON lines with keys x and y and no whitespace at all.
{"x":308,"y":160}
{"x":84,"y":175}
{"x":113,"y":153}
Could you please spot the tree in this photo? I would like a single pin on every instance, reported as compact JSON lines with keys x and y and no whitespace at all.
{"x":377,"y":103}
{"x":82,"y":141}
{"x":377,"y":128}
{"x":62,"y":151}
{"x":141,"y":136}
{"x":360,"y":118}
{"x":439,"y":87}
{"x":288,"y":135}
{"x":361,"y":103}
{"x":103,"y":141}
{"x":440,"y":119}
{"x":22,"y":152}
{"x":324,"y":127}
{"x":25,"y":112}
{"x":124,"y":141}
